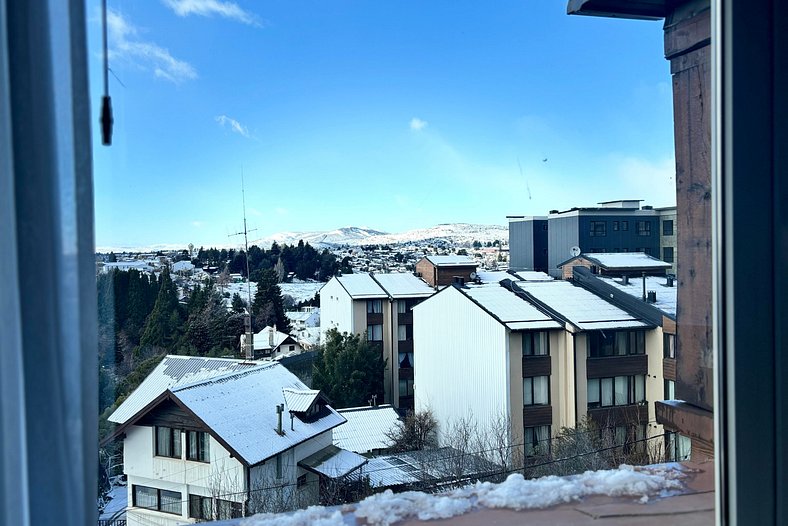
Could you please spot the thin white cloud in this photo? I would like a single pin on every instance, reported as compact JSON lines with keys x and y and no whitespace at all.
{"x":235,"y":126}
{"x":417,"y":124}
{"x":209,"y":8}
{"x":197,"y":224}
{"x":125,"y":46}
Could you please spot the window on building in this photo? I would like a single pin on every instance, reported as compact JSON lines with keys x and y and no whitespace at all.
{"x":536,"y":343}
{"x":598,"y":229}
{"x":616,"y":343}
{"x":677,"y":447}
{"x":168,"y":442}
{"x":405,"y":387}
{"x":156,"y":499}
{"x":616,"y":391}
{"x":615,"y":226}
{"x":197,"y":446}
{"x":667,"y":254}
{"x":669,"y":345}
{"x":200,"y":507}
{"x":667,"y":227}
{"x":405,"y":360}
{"x":624,"y":225}
{"x":374,"y":306}
{"x":536,"y":390}
{"x":537,"y":440}
{"x":226,"y":509}
{"x":375,"y":333}
{"x":404,"y":332}
{"x":279,"y":466}
{"x":644,"y":228}
{"x":402,"y":307}
{"x":670,"y":390}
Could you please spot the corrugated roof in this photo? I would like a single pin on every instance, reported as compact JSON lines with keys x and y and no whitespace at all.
{"x":451,"y":261}
{"x":404,"y":285}
{"x":299,"y":400}
{"x":389,"y":471}
{"x":173,"y":371}
{"x":582,"y":308}
{"x":366,"y":428}
{"x":333,"y":462}
{"x":510,"y":309}
{"x":241,"y":409}
{"x":361,"y":286}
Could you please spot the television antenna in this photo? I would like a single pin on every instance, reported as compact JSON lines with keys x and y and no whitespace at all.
{"x":248,"y":316}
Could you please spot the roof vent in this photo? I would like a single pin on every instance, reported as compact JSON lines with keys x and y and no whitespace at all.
{"x":652,"y":296}
{"x":625,"y":279}
{"x":670,"y":281}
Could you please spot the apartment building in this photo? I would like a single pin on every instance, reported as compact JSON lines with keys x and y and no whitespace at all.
{"x":668,"y":235}
{"x":543,"y":354}
{"x":613,"y":226}
{"x":379,"y":306}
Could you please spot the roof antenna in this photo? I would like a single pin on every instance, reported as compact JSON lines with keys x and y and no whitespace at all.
{"x":106,"y":101}
{"x":249,"y":341}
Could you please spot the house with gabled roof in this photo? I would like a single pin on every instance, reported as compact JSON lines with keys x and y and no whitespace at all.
{"x":271,"y":343}
{"x":207,"y":438}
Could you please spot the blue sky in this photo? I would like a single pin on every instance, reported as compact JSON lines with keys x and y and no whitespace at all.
{"x":387,"y":114}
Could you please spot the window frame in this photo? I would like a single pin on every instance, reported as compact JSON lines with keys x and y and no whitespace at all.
{"x":643,"y":228}
{"x":528,"y":340}
{"x":529,"y":390}
{"x":173,"y":433}
{"x":159,"y":505}
{"x":665,"y":230}
{"x":631,"y":391}
{"x":203,"y":447}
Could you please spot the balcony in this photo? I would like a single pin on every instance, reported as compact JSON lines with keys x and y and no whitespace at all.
{"x":617,"y":366}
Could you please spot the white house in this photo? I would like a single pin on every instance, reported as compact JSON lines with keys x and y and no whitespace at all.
{"x":207,"y":438}
{"x":270,"y":343}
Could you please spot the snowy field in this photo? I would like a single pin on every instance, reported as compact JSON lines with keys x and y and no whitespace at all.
{"x":516,"y":493}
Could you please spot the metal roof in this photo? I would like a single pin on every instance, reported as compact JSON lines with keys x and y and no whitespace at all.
{"x":240,"y":408}
{"x":666,"y":296}
{"x":403,"y":285}
{"x":515,"y":312}
{"x":582,"y":308}
{"x":299,"y":400}
{"x":451,"y":261}
{"x":361,"y":286}
{"x":366,"y":428}
{"x":333,"y":462}
{"x":172,"y":371}
{"x":625,"y":261}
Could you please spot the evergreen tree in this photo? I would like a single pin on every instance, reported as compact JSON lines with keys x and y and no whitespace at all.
{"x":348,"y":369}
{"x":163,"y":323}
{"x":238,"y":304}
{"x":268,"y":307}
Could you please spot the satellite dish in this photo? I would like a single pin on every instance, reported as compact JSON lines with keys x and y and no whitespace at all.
{"x":575,"y":251}
{"x":473,"y":275}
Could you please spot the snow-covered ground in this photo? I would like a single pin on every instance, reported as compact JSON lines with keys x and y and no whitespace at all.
{"x":117,"y":498}
{"x":516,"y":493}
{"x":298,"y":290}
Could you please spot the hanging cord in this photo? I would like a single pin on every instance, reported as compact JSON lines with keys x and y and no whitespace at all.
{"x":106,"y":101}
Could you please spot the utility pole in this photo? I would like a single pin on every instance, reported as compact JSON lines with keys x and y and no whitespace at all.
{"x":248,"y":343}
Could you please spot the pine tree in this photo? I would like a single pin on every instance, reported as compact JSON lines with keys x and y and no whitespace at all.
{"x":268,"y":306}
{"x":238,"y":304}
{"x":163,"y":323}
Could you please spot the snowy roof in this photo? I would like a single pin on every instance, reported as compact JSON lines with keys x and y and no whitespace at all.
{"x":366,"y":428}
{"x":582,"y":308}
{"x":666,"y":296}
{"x":428,"y":464}
{"x":451,"y":261}
{"x":171,"y":372}
{"x":333,"y":462}
{"x":361,"y":286}
{"x":299,"y":400}
{"x":240,"y":409}
{"x":298,"y":315}
{"x":624,"y":261}
{"x":390,"y":471}
{"x":262,"y":340}
{"x":493,"y":276}
{"x":513,"y":311}
{"x":533,"y":275}
{"x":403,"y":285}
{"x":182,"y":266}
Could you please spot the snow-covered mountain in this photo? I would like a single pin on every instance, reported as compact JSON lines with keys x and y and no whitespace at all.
{"x":455,"y":233}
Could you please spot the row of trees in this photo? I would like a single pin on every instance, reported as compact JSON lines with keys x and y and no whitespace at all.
{"x":301,"y":259}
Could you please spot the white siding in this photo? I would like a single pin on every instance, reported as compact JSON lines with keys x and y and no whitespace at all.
{"x":655,"y":384}
{"x":461,"y":356}
{"x":336,"y":308}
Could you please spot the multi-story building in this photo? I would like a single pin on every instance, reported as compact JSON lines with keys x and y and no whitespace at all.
{"x":668,"y":233}
{"x":206,"y":439}
{"x":539,"y":243}
{"x":379,"y":307}
{"x":542,"y":354}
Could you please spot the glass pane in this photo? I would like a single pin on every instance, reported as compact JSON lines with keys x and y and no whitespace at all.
{"x":622,"y":340}
{"x":593,"y":391}
{"x":640,"y":388}
{"x":528,"y":349}
{"x":528,"y":394}
{"x":541,"y":390}
{"x":176,"y":443}
{"x":401,"y":307}
{"x":163,"y":444}
{"x":170,"y":502}
{"x":145,"y":497}
{"x":402,"y":333}
{"x":543,"y":347}
{"x":607,"y":392}
{"x":621,"y":390}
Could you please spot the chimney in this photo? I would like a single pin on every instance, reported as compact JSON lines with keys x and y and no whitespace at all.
{"x":271,"y":336}
{"x":279,"y":410}
{"x":625,"y":279}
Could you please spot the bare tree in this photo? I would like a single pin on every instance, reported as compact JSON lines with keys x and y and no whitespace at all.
{"x":419,"y":430}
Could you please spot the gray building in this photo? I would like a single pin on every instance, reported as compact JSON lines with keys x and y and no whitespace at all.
{"x":667,"y":236}
{"x":528,"y":243}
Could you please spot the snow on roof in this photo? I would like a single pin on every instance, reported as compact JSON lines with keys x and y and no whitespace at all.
{"x":451,"y":261}
{"x":333,"y":462}
{"x":493,"y":276}
{"x":171,"y":372}
{"x":389,"y":471}
{"x":361,"y":286}
{"x":515,"y":312}
{"x":582,"y":308}
{"x":626,"y":260}
{"x":298,"y":315}
{"x":299,"y":400}
{"x":666,"y":296}
{"x":366,"y":428}
{"x":404,"y":285}
{"x":182,"y":266}
{"x":240,"y":408}
{"x":262,"y":340}
{"x":533,"y":275}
